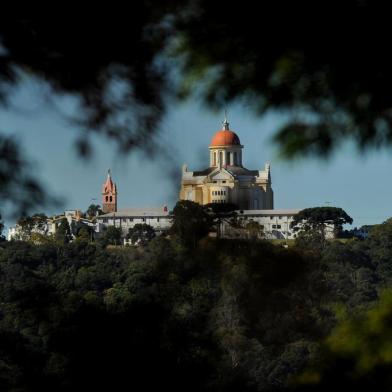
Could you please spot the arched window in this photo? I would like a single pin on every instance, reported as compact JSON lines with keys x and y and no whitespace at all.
{"x":235,"y":158}
{"x":227,"y":158}
{"x":107,"y":199}
{"x":111,"y":199}
{"x":214,"y":159}
{"x":221,"y":157}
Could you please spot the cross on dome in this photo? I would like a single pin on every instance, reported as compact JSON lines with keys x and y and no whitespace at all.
{"x":225,"y":137}
{"x":225,"y":122}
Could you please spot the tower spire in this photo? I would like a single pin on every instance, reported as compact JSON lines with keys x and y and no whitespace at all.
{"x":225,"y":122}
{"x":109,"y":195}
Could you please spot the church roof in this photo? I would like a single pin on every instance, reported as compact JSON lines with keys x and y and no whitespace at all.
{"x":225,"y":137}
{"x":205,"y":172}
{"x":290,"y":212}
{"x":137,"y":212}
{"x":109,"y":185}
{"x":241,"y":171}
{"x":234,"y":170}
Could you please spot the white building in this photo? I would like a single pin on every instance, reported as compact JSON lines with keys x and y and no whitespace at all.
{"x":126,"y":218}
{"x":275,"y":224}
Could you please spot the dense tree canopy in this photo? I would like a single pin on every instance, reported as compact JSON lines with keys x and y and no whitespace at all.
{"x":84,"y":233}
{"x":317,"y":219}
{"x":111,"y":236}
{"x":357,"y":354}
{"x":63,"y":231}
{"x":222,"y":213}
{"x":222,"y":316}
{"x":319,"y":216}
{"x":93,"y":210}
{"x":30,"y":224}
{"x":141,"y":234}
{"x":191,"y":222}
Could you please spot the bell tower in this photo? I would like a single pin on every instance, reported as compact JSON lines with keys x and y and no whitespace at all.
{"x":109,"y":195}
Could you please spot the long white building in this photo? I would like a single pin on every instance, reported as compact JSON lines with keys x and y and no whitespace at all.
{"x":126,"y":218}
{"x":274,"y":223}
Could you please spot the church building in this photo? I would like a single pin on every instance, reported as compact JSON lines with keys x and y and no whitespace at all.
{"x":226,"y":180}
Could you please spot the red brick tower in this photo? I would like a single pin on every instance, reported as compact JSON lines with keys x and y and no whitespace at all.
{"x":109,"y":195}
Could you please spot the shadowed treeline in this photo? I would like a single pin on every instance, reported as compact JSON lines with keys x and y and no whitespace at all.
{"x":225,"y":315}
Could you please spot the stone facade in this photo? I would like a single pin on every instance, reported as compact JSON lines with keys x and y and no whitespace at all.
{"x":227,"y":180}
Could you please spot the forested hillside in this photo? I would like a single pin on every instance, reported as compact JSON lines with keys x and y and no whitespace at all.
{"x":221,"y":316}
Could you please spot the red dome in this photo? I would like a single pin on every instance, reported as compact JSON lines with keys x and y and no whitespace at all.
{"x":225,"y":138}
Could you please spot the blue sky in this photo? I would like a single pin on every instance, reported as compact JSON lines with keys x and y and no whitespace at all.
{"x":357,"y":183}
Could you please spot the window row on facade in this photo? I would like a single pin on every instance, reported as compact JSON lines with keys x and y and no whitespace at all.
{"x":125,"y":220}
{"x":219,"y":193}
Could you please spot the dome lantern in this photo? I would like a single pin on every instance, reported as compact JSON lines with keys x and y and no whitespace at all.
{"x":225,"y":147}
